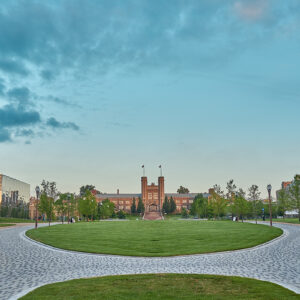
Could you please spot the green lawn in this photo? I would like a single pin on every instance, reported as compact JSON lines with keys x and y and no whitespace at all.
{"x":5,"y":225}
{"x":15,"y":220}
{"x":154,"y":238}
{"x":288,"y":220}
{"x":162,"y":286}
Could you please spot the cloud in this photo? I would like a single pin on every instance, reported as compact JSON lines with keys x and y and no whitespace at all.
{"x":68,"y":37}
{"x":25,"y":133}
{"x":11,"y":116}
{"x":52,"y":122}
{"x":20,"y":95}
{"x":251,"y":10}
{"x":47,"y":75}
{"x":2,"y":87}
{"x":11,"y":66}
{"x":4,"y":135}
{"x":61,"y":101}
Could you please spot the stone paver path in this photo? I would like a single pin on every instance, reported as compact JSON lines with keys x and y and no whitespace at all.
{"x":26,"y":265}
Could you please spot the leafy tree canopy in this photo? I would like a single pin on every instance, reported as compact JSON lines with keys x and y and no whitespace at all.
{"x":88,"y":187}
{"x":183,"y":190}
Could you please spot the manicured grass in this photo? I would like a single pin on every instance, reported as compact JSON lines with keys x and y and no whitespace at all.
{"x":162,"y":286}
{"x":155,"y":238}
{"x":5,"y":225}
{"x":288,"y":220}
{"x":15,"y":220}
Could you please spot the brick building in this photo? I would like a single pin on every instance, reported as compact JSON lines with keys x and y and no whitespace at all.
{"x":152,"y":195}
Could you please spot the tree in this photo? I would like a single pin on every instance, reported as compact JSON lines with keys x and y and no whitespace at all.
{"x":241,"y":205}
{"x":72,"y":204}
{"x":172,"y":205}
{"x":166,"y":205}
{"x":231,"y":188}
{"x":61,"y":206}
{"x":184,"y":213}
{"x":47,"y":200}
{"x":46,"y":206}
{"x":183,"y":190}
{"x":133,"y":207}
{"x":200,"y":206}
{"x":283,"y":201}
{"x":218,"y":202}
{"x":254,"y":195}
{"x":84,"y":188}
{"x":140,"y":207}
{"x":294,"y":193}
{"x":87,"y":205}
{"x":121,"y":214}
{"x":107,"y":209}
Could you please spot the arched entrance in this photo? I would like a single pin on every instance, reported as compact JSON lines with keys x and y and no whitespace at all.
{"x":153,"y":207}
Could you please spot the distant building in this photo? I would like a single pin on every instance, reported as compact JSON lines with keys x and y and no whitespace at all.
{"x":152,"y":196}
{"x":13,"y":192}
{"x":286,"y":185}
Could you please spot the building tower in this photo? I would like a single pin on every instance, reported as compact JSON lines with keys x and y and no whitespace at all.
{"x":161,"y":191}
{"x":144,"y":189}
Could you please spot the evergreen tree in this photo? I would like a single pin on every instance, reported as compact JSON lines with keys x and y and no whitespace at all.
{"x":133,"y":207}
{"x":172,"y":205}
{"x":184,"y":213}
{"x":166,"y":205}
{"x":140,"y":207}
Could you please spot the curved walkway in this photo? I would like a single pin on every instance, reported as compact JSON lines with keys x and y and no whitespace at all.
{"x":26,"y":265}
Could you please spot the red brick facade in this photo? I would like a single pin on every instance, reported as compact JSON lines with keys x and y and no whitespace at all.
{"x":152,"y":195}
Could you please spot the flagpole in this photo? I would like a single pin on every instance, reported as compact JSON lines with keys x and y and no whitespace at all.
{"x":143,"y":167}
{"x":160,"y":170}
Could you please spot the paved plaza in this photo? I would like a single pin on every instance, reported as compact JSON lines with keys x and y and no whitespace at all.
{"x":26,"y":265}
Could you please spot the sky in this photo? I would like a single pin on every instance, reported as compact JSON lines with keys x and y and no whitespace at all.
{"x":92,"y":90}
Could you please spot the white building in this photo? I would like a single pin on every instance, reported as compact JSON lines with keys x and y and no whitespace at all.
{"x":13,"y":191}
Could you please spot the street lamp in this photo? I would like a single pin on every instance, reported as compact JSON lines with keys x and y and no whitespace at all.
{"x":69,"y":197}
{"x":269,"y":188}
{"x":37,"y":191}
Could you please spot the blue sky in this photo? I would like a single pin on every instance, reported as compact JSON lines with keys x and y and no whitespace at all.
{"x":91,"y":90}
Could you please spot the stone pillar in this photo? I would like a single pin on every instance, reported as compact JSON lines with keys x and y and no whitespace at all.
{"x":161,"y":191}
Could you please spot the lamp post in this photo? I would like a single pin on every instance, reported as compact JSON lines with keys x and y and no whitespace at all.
{"x":37,"y":191}
{"x":69,"y":196}
{"x":269,"y":188}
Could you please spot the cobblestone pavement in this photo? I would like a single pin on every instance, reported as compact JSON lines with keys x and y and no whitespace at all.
{"x":26,"y":265}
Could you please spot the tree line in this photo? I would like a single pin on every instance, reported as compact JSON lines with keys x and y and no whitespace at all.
{"x":241,"y":204}
{"x":68,"y":205}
